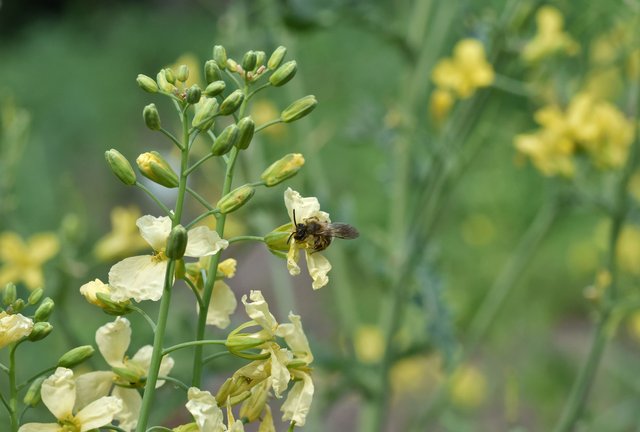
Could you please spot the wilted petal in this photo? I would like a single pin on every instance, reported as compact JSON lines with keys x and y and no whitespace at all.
{"x":298,"y":402}
{"x":142,"y":359}
{"x":91,"y":387}
{"x":59,"y":393}
{"x":131,"y":404}
{"x":223,"y":304}
{"x":292,"y":259}
{"x":237,"y":426}
{"x":266,"y":425}
{"x":318,"y":267}
{"x":204,"y":409}
{"x":113,"y":340}
{"x":294,"y":335}
{"x":13,"y":328}
{"x":258,"y":310}
{"x":204,"y":242}
{"x":140,"y":278}
{"x":280,"y":375}
{"x":155,"y":230}
{"x":40,"y":427}
{"x":99,"y":413}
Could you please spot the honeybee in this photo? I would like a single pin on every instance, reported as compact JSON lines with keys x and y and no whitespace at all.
{"x":319,"y":234}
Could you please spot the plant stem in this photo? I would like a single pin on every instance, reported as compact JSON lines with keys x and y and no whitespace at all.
{"x":267,"y":124}
{"x":13,"y":389}
{"x":192,"y":343}
{"x":246,"y":238}
{"x":155,"y":199}
{"x":144,"y":315}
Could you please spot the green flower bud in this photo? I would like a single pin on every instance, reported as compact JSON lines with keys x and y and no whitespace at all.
{"x":35,"y":296}
{"x":113,"y":308}
{"x":193,"y":94}
{"x":234,"y":400}
{"x":299,"y":109}
{"x":282,"y":169}
{"x":177,"y":242}
{"x":120,"y":166}
{"x":40,"y":331}
{"x":276,"y":58}
{"x":151,"y":117}
{"x":247,"y":127}
{"x":206,"y":110}
{"x":220,"y":56}
{"x":170,"y":75}
{"x":32,"y":397}
{"x":232,"y":65}
{"x":75,"y":356}
{"x":9,"y":294}
{"x":260,"y":58}
{"x":128,"y":375}
{"x":231,"y":102}
{"x":249,"y":61}
{"x":211,"y":71}
{"x":147,"y":83}
{"x":215,"y":88}
{"x":44,"y":310}
{"x":253,"y":406}
{"x":183,"y":73}
{"x":225,"y":140}
{"x":283,"y":74}
{"x":280,"y":238}
{"x":163,"y":82}
{"x":235,"y":199}
{"x":156,"y":169}
{"x":18,"y":305}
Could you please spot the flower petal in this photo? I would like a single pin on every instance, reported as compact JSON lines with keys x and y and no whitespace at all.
{"x":59,"y":393}
{"x":13,"y":328}
{"x":294,"y":335}
{"x":292,"y":259}
{"x":131,"y":404}
{"x":296,"y":407}
{"x":318,"y":267}
{"x":280,"y":375}
{"x":91,"y":387}
{"x":99,"y":413}
{"x":139,"y":278}
{"x":223,"y":304}
{"x":113,"y":339}
{"x":204,"y":409}
{"x":40,"y":427}
{"x":204,"y":242}
{"x":305,"y":207}
{"x":142,"y":359}
{"x":155,"y":230}
{"x":43,"y":247}
{"x":258,"y":311}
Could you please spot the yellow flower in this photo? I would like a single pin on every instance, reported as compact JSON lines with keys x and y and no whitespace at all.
{"x":369,"y":344}
{"x":468,"y":387}
{"x":628,"y":250}
{"x":263,"y":111}
{"x":124,"y":238}
{"x":466,"y":71}
{"x":440,"y":104}
{"x":550,"y":37}
{"x":23,"y":261}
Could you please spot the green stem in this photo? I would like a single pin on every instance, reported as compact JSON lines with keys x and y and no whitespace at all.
{"x":195,"y":291}
{"x":246,"y":238}
{"x":267,"y":124}
{"x":111,"y":427}
{"x":200,"y":199}
{"x":5,"y":403}
{"x":13,"y":389}
{"x":175,"y":381}
{"x":215,"y":211}
{"x":511,"y":85}
{"x":144,"y":315}
{"x":191,"y":344}
{"x":39,"y":374}
{"x":172,"y":138}
{"x":262,"y":87}
{"x":291,"y":426}
{"x":155,"y":199}
{"x":4,"y":368}
{"x":198,"y":163}
{"x":212,"y":357}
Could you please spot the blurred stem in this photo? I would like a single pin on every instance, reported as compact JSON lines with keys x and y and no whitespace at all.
{"x":155,"y":199}
{"x":13,"y":389}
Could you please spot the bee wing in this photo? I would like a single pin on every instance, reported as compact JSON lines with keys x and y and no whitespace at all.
{"x":341,"y":230}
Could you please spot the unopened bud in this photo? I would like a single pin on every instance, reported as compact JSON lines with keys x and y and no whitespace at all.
{"x":234,"y":400}
{"x":170,"y":75}
{"x":232,"y":65}
{"x":35,"y":296}
{"x":75,"y":356}
{"x":111,"y":307}
{"x":227,"y":139}
{"x":126,"y":374}
{"x":155,"y":168}
{"x":283,"y":74}
{"x":246,"y":127}
{"x":206,"y":110}
{"x":193,"y":94}
{"x":260,"y":58}
{"x":32,"y":397}
{"x":44,"y":310}
{"x":282,"y":169}
{"x":18,"y":305}
{"x":299,"y":109}
{"x":9,"y":294}
{"x":120,"y":166}
{"x":151,"y":117}
{"x":163,"y":82}
{"x":215,"y":88}
{"x":147,"y":83}
{"x":220,"y":56}
{"x":177,"y":242}
{"x":249,"y":61}
{"x":244,"y":341}
{"x":280,"y":238}
{"x":40,"y":331}
{"x":224,"y":392}
{"x":276,"y":58}
{"x":253,"y":406}
{"x":235,"y":199}
{"x":211,"y":71}
{"x":183,"y":73}
{"x":231,"y":102}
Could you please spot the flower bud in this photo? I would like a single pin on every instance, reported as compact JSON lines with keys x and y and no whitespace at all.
{"x":206,"y":110}
{"x":233,"y":400}
{"x":147,"y":83}
{"x":227,"y":268}
{"x":9,"y":294}
{"x":189,"y":427}
{"x":231,"y":102}
{"x":215,"y":88}
{"x":232,"y":66}
{"x":283,"y":74}
{"x":156,"y":169}
{"x":183,"y":73}
{"x":253,"y":406}
{"x":220,"y":56}
{"x":44,"y":310}
{"x":40,"y":331}
{"x":180,"y":270}
{"x":235,"y":199}
{"x":177,"y":242}
{"x":249,"y":61}
{"x":299,"y":109}
{"x":168,"y":72}
{"x":211,"y":71}
{"x":111,"y":307}
{"x":280,"y":238}
{"x":32,"y":397}
{"x":260,"y":58}
{"x":282,"y":169}
{"x":276,"y":58}
{"x":127,"y":374}
{"x":75,"y":356}
{"x":238,"y":342}
{"x":35,"y":296}
{"x":120,"y":166}
{"x":246,"y":127}
{"x":227,"y":139}
{"x":151,"y":117}
{"x":163,"y":82}
{"x":17,"y":305}
{"x":193,"y":94}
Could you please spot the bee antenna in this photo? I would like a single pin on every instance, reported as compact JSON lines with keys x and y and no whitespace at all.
{"x":289,"y":239}
{"x":294,"y":218}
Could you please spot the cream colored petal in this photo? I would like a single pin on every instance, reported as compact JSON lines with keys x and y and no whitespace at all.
{"x":258,"y":310}
{"x":43,"y":247}
{"x":59,"y":393}
{"x":131,"y":404}
{"x":294,"y":335}
{"x":40,"y":427}
{"x":223,"y":304}
{"x":99,"y":413}
{"x":204,"y":409}
{"x":305,"y":207}
{"x":237,"y":426}
{"x":266,"y":424}
{"x":139,"y":278}
{"x":292,"y":259}
{"x":155,"y":230}
{"x":318,"y":267}
{"x":280,"y":375}
{"x":13,"y":328}
{"x":91,"y":289}
{"x":91,"y":387}
{"x":298,"y":402}
{"x":142,"y":359}
{"x":204,"y":242}
{"x":113,"y":340}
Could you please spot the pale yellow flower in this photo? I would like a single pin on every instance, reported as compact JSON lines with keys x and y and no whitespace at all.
{"x":465,"y":72}
{"x":628,"y":250}
{"x":24,"y":261}
{"x":90,"y":290}
{"x":296,"y":407}
{"x":205,"y":411}
{"x":369,"y":344}
{"x":468,"y":387}
{"x":550,"y":37}
{"x":13,"y":327}
{"x":124,"y":238}
{"x":223,"y":301}
{"x":440,"y":104}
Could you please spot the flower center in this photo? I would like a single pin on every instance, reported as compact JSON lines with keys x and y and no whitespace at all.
{"x":159,"y":256}
{"x":69,"y":424}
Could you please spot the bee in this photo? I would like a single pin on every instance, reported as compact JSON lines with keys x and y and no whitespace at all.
{"x":318,"y":235}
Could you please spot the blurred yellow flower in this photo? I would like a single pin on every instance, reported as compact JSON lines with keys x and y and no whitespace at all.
{"x":369,"y":344}
{"x":412,"y":375}
{"x":191,"y":61}
{"x":550,"y":37}
{"x":23,"y":261}
{"x":124,"y":238}
{"x":628,"y":250}
{"x":440,"y":104}
{"x":263,"y":111}
{"x":634,"y":325}
{"x":466,"y":71}
{"x":468,"y":387}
